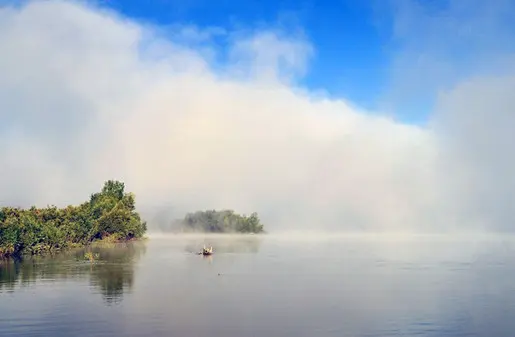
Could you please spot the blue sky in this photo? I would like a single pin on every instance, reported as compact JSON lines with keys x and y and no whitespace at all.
{"x":351,"y":51}
{"x":393,"y":56}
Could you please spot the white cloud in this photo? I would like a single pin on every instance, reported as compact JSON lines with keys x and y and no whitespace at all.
{"x":87,"y":96}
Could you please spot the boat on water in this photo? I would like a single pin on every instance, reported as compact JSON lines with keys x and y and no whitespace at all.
{"x":207,"y":251}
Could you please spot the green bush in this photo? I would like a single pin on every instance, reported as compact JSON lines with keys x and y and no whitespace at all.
{"x":34,"y":231}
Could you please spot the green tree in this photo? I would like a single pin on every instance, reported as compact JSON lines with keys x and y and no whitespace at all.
{"x":224,"y":221}
{"x":112,"y":212}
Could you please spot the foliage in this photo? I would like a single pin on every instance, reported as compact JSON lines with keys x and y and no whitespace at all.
{"x":91,"y":257}
{"x":110,"y":213}
{"x":225,"y":221}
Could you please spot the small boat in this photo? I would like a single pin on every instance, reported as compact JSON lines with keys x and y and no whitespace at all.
{"x":207,"y":251}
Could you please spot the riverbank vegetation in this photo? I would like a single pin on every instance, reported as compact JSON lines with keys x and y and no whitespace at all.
{"x":224,"y":221}
{"x":107,"y":215}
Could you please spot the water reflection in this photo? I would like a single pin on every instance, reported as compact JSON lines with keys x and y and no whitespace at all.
{"x":344,"y":287}
{"x":208,"y":258}
{"x":111,"y":273}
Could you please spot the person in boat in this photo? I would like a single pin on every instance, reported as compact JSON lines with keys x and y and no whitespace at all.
{"x":207,"y":251}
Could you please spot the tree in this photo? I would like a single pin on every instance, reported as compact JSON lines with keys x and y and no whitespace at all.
{"x":224,"y":221}
{"x":112,"y":212}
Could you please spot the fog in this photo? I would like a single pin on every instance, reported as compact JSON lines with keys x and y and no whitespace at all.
{"x":87,"y":95}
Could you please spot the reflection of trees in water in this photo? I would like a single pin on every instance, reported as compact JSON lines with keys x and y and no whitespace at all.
{"x":238,"y":245}
{"x":111,"y":273}
{"x":18,"y":272}
{"x":112,"y":280}
{"x":114,"y":273}
{"x":9,"y":271}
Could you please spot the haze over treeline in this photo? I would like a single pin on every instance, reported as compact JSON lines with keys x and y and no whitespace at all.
{"x":215,"y":221}
{"x":87,"y":95}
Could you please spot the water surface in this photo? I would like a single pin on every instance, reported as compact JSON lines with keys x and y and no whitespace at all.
{"x":267,"y":286}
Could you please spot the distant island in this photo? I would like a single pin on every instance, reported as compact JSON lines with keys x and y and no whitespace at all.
{"x":224,"y":221}
{"x":108,"y":215}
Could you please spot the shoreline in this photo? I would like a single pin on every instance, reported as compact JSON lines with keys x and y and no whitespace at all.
{"x":70,"y":247}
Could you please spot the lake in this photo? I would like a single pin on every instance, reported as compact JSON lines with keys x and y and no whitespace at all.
{"x":298,"y":285}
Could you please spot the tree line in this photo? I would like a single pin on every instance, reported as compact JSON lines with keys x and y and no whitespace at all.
{"x":108,"y":214}
{"x":224,"y":221}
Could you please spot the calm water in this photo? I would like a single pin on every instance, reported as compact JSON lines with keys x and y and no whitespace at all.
{"x":270,"y":286}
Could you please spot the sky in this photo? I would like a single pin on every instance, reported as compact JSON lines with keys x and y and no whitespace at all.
{"x":379,"y":116}
{"x":350,"y":55}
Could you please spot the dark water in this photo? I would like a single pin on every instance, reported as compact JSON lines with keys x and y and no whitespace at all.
{"x":270,"y":286}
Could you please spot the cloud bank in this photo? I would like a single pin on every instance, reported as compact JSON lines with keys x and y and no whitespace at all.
{"x":87,"y":95}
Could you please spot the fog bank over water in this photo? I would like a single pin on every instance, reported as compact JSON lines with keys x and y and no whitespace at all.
{"x":87,"y":95}
{"x":300,"y":236}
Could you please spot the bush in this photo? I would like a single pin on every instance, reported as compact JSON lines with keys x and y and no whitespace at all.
{"x":34,"y":231}
{"x":225,"y":221}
